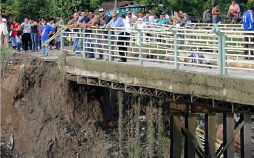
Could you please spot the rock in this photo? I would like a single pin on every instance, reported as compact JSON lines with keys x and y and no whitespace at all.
{"x":112,"y":124}
{"x":10,"y":144}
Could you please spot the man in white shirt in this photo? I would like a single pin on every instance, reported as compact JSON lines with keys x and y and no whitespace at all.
{"x":4,"y":33}
{"x":130,"y":18}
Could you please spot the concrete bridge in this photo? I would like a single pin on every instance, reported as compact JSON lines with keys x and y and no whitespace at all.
{"x":224,"y":85}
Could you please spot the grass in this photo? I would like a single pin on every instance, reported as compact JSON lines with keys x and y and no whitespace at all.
{"x":6,"y":53}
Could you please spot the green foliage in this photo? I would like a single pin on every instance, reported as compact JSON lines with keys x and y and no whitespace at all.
{"x":9,"y":12}
{"x":65,"y":8}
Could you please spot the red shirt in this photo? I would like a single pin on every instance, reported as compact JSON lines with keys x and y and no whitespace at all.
{"x":38,"y":30}
{"x":15,"y":26}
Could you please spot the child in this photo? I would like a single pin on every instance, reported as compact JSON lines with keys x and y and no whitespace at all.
{"x":19,"y":40}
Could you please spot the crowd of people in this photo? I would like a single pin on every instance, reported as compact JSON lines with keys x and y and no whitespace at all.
{"x":32,"y":35}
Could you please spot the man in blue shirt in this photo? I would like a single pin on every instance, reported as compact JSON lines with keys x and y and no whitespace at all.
{"x":46,"y":30}
{"x":248,"y":25}
{"x":118,"y":22}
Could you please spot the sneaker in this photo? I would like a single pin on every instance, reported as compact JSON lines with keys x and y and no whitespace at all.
{"x":100,"y":58}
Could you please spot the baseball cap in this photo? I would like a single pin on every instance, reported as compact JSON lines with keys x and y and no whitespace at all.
{"x":101,"y":10}
{"x":252,"y":8}
{"x":3,"y":19}
{"x":163,"y":13}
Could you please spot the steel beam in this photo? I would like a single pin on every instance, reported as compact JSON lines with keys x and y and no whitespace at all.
{"x":190,"y":124}
{"x":228,"y":131}
{"x":71,"y":77}
{"x":176,"y":137}
{"x":81,"y":80}
{"x":210,"y":135}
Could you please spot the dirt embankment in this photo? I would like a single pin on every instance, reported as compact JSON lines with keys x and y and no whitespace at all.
{"x":50,"y":117}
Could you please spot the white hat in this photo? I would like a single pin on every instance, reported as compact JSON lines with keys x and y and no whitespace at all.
{"x":101,"y":10}
{"x":3,"y":19}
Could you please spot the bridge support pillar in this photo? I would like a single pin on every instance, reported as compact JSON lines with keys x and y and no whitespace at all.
{"x":190,"y":124}
{"x":210,"y":135}
{"x":246,"y":145}
{"x":176,"y":136}
{"x":228,"y":131}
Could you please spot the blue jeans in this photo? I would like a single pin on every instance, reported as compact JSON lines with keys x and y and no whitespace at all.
{"x":215,"y":20}
{"x":98,"y":45}
{"x":39,"y":41}
{"x":75,"y":42}
{"x":88,"y":41}
{"x":45,"y":49}
{"x":18,"y":46}
{"x":13,"y":41}
{"x":34,"y":37}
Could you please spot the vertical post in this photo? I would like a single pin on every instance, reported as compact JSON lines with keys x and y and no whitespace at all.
{"x":190,"y":124}
{"x":62,"y":42}
{"x":220,"y":54}
{"x":140,"y":46}
{"x":176,"y":137}
{"x":210,"y":135}
{"x":109,"y":45}
{"x":245,"y":134}
{"x":83,"y":43}
{"x":224,"y":57}
{"x":228,"y":130}
{"x":175,"y":47}
{"x":175,"y":51}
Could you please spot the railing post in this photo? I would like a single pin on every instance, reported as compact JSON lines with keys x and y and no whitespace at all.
{"x":224,"y":52}
{"x":214,"y":37}
{"x":83,"y":44}
{"x":140,"y":46}
{"x":175,"y":48}
{"x":62,"y":42}
{"x":220,"y":54}
{"x":109,"y":46}
{"x":221,"y":51}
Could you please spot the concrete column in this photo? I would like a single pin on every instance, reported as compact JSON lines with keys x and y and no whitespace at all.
{"x":190,"y":124}
{"x":228,"y":131}
{"x":176,"y":137}
{"x":246,"y":145}
{"x":210,"y":135}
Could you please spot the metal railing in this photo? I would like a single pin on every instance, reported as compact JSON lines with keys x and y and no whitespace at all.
{"x":168,"y":46}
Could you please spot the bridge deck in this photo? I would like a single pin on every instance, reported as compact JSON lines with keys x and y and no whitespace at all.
{"x":53,"y":56}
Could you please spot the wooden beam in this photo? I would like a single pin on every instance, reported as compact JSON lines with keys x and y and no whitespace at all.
{"x":232,"y":138}
{"x":190,"y":124}
{"x":176,"y":136}
{"x":210,"y":135}
{"x":193,"y":138}
{"x":247,"y":146}
{"x":228,"y":130}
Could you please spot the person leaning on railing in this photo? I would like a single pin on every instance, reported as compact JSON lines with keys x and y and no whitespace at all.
{"x":118,"y":22}
{"x":101,"y":21}
{"x":248,"y":25}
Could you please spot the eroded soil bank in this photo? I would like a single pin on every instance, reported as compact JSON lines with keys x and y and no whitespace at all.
{"x":51,"y":117}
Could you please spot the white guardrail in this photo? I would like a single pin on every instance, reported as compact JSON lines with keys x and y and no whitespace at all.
{"x":222,"y":46}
